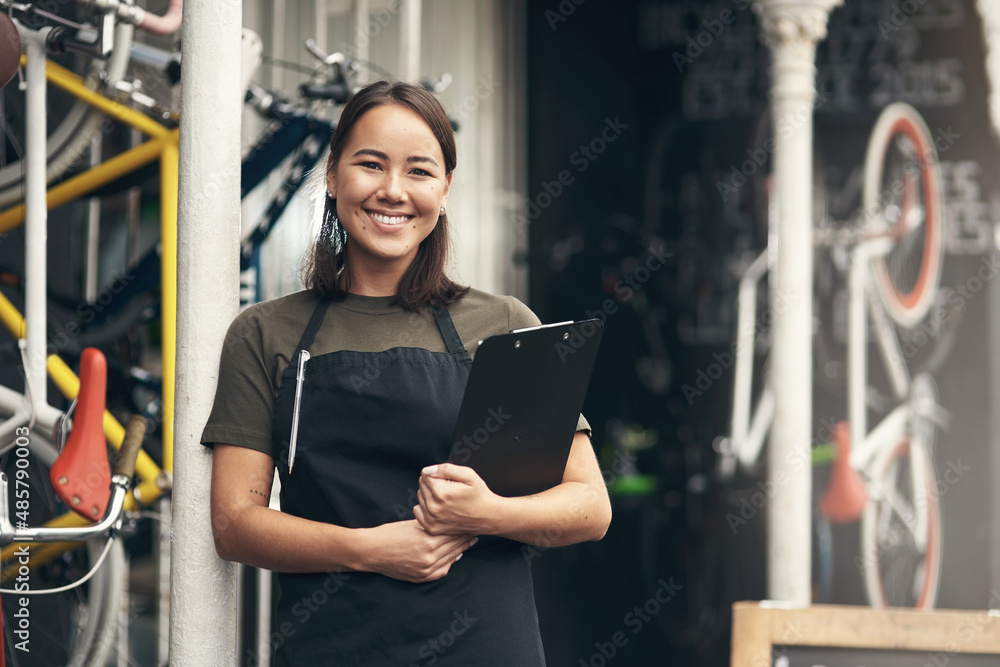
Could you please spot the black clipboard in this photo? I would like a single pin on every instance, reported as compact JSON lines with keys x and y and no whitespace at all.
{"x":521,"y":405}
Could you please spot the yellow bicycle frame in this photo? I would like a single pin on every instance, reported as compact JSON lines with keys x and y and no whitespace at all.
{"x":162,"y":144}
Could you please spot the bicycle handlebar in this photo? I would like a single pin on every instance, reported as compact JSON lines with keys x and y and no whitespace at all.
{"x":97,"y":41}
{"x":268,"y":104}
{"x":141,"y":18}
{"x":336,"y":91}
{"x":135,"y":429}
{"x":109,"y":524}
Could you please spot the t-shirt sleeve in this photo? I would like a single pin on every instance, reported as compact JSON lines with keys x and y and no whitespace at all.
{"x":520,"y":317}
{"x":244,"y":396}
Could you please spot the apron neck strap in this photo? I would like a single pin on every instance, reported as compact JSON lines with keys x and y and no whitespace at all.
{"x":441,"y":316}
{"x":314,"y":323}
{"x":447,"y":329}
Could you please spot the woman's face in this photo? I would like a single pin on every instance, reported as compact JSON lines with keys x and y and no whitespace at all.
{"x":390,"y":185}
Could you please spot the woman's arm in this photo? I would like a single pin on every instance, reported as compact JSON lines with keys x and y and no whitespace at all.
{"x":248,"y":531}
{"x":454,"y":499}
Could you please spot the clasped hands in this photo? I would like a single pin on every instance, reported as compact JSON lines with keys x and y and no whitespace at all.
{"x":455,"y":506}
{"x":455,"y":500}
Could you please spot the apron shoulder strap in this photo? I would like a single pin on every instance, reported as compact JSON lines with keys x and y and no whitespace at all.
{"x":314,"y":323}
{"x":448,"y":332}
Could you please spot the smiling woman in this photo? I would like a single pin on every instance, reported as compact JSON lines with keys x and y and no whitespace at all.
{"x":358,"y":381}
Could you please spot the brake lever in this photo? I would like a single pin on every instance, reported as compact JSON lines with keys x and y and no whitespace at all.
{"x":336,"y":58}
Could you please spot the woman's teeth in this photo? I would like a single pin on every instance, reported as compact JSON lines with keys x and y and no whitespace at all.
{"x":388,"y":219}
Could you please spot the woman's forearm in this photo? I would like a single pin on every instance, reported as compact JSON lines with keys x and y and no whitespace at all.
{"x":248,"y":531}
{"x":259,"y":536}
{"x":566,"y":514}
{"x":400,"y":549}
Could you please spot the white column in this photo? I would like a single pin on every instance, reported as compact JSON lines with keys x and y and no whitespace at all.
{"x":321,"y":16}
{"x":203,"y":592}
{"x":792,"y":30}
{"x":362,"y":41}
{"x":409,"y":40}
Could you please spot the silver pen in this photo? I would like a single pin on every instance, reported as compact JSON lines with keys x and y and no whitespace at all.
{"x":300,"y":377}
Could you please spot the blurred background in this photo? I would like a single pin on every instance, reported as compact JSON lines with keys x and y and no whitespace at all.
{"x":592,"y":133}
{"x":597,"y":136}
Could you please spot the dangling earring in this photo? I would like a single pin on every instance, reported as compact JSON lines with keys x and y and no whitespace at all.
{"x":339,"y":233}
{"x":332,"y":230}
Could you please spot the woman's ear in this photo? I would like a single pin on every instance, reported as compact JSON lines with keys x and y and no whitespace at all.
{"x":447,"y":185}
{"x":331,"y":184}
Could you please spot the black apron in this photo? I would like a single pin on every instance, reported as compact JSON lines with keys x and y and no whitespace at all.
{"x":369,"y":422}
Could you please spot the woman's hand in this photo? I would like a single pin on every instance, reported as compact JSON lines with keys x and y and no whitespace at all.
{"x":405,"y":551}
{"x":454,"y":500}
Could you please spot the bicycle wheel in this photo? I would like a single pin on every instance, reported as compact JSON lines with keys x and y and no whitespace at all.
{"x":901,"y":567}
{"x":902,"y":202}
{"x":75,"y":627}
{"x":74,"y":121}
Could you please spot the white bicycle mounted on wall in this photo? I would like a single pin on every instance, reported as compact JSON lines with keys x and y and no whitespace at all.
{"x":884,"y":476}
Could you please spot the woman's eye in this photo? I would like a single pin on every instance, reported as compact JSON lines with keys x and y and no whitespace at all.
{"x":371,"y":165}
{"x":421,"y":172}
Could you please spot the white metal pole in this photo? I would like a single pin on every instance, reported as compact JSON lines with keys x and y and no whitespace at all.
{"x":362,"y":39}
{"x":162,"y":554}
{"x":321,"y":16}
{"x":792,"y":30}
{"x":409,"y":40}
{"x":491,"y":267}
{"x":279,"y":12}
{"x":124,"y":648}
{"x":36,"y":220}
{"x":203,"y":587}
{"x":93,"y":227}
{"x":264,"y":593}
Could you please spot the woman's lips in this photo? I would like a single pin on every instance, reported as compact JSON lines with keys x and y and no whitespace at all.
{"x":388,"y":219}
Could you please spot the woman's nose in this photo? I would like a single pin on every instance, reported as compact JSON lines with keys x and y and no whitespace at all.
{"x":392,"y":187}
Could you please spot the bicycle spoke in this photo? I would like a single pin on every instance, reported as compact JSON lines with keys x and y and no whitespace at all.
{"x":9,"y":135}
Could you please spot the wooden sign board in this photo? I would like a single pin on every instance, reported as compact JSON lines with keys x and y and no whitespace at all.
{"x":766,"y":635}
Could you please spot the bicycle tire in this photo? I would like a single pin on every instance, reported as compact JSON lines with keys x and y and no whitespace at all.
{"x":901,"y":164}
{"x":890,"y":555}
{"x":96,"y":639}
{"x":72,"y":136}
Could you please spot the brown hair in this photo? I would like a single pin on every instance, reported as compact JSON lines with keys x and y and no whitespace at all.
{"x":424,"y":282}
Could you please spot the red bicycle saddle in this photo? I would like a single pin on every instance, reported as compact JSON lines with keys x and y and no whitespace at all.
{"x":81,"y":475}
{"x":845,"y":497}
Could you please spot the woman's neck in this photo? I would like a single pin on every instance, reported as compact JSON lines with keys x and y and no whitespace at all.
{"x":367,"y":280}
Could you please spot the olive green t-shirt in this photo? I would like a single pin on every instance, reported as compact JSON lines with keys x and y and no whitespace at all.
{"x":263,"y":338}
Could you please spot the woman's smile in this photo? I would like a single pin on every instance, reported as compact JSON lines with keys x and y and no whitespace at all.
{"x":388,"y":219}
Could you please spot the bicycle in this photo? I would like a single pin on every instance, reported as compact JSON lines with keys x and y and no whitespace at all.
{"x":26,"y":412}
{"x":884,"y":476}
{"x":80,"y":623}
